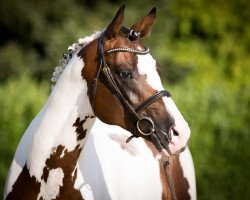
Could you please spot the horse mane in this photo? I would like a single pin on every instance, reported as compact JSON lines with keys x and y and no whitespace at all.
{"x":72,"y":50}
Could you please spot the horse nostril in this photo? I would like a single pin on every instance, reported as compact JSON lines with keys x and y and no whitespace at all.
{"x":175,"y":133}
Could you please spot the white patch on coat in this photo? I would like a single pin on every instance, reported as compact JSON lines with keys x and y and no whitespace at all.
{"x":181,"y":126}
{"x":146,"y":65}
{"x":111,"y":171}
{"x":67,"y":102}
{"x":187,"y":166}
{"x":53,"y":124}
{"x":88,"y":123}
{"x":51,"y":188}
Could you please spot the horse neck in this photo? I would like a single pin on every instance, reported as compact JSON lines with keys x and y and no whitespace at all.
{"x":61,"y":127}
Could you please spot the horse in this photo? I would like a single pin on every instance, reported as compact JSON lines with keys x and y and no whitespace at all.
{"x":70,"y":151}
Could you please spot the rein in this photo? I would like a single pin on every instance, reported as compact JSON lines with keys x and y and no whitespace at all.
{"x":103,"y":67}
{"x":169,"y":178}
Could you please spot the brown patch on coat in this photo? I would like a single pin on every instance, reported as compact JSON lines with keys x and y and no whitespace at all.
{"x":45,"y":174}
{"x":24,"y":181}
{"x":67,"y":163}
{"x":27,"y":187}
{"x":181,"y":185}
{"x":180,"y":181}
{"x":116,"y":62}
{"x":166,"y":194}
{"x":81,"y":132}
{"x":105,"y":99}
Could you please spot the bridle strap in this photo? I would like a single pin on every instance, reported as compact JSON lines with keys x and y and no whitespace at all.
{"x":151,"y":100}
{"x":110,"y":79}
{"x":103,"y":67}
{"x":169,"y":178}
{"x":94,"y":87}
{"x":115,"y":88}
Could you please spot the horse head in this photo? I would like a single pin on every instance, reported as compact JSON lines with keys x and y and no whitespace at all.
{"x":125,"y":88}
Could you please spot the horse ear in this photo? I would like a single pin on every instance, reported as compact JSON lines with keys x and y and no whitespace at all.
{"x":144,"y":26}
{"x":115,"y":25}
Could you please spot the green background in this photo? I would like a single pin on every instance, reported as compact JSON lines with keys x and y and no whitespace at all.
{"x":202,"y":46}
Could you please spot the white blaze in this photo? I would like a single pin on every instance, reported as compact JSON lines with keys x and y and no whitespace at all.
{"x":147,"y":66}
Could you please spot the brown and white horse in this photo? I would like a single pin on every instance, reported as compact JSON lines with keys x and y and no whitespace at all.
{"x":67,"y":153}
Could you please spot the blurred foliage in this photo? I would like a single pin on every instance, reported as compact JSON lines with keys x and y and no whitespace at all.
{"x":204,"y":51}
{"x":20,"y":101}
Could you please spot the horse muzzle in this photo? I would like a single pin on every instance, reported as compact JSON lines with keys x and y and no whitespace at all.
{"x":171,"y":143}
{"x":179,"y":139}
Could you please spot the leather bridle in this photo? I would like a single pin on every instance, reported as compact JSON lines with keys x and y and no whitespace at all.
{"x":105,"y":70}
{"x":135,"y":112}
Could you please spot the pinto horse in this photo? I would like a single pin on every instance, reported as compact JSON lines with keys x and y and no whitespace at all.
{"x":67,"y":153}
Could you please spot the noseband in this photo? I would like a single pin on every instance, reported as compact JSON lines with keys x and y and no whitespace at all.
{"x":140,"y":120}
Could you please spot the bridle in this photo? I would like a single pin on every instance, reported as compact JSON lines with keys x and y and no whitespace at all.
{"x":135,"y":112}
{"x":105,"y":70}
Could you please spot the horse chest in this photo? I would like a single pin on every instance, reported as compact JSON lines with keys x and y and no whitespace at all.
{"x":112,"y":169}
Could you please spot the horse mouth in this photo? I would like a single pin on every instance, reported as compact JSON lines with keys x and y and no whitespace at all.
{"x":174,"y":148}
{"x":169,"y":153}
{"x":171,"y":144}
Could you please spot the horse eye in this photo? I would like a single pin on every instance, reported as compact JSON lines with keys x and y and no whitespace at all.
{"x":125,"y":74}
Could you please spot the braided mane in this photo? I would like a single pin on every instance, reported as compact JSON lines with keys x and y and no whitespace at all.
{"x":72,"y":50}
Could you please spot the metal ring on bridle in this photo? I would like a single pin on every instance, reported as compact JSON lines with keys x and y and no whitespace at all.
{"x":150,"y":122}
